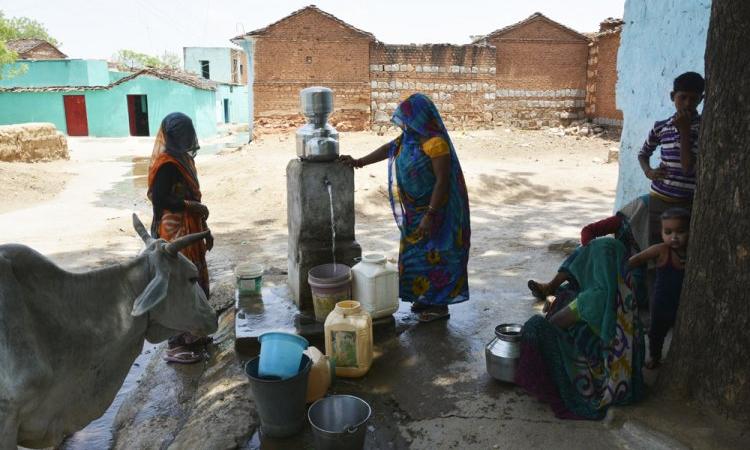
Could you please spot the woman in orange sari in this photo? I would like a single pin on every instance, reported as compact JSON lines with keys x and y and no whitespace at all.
{"x":174,"y":191}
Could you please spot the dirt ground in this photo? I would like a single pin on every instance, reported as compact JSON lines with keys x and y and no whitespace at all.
{"x":93,"y":194}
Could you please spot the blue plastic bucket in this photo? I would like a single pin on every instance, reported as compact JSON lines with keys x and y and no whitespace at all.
{"x":280,"y":354}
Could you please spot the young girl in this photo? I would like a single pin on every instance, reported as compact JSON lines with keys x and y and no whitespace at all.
{"x":670,"y":271}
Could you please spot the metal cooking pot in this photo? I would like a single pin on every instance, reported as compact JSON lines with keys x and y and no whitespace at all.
{"x":503,"y":351}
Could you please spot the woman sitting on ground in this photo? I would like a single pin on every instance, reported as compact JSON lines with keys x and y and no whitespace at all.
{"x":587,"y":355}
{"x":629,"y":226}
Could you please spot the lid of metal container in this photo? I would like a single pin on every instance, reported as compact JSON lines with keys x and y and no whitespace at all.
{"x":316,"y":100}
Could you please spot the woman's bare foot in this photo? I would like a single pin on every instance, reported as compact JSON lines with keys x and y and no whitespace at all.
{"x":539,"y":290}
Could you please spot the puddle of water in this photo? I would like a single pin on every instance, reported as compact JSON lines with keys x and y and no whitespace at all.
{"x":139,"y":171}
{"x":231,"y":141}
{"x":98,"y":434}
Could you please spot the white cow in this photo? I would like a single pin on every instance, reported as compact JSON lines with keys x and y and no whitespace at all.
{"x":67,"y":340}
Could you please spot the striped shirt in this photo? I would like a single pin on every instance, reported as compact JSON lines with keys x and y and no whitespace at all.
{"x":676,"y":184}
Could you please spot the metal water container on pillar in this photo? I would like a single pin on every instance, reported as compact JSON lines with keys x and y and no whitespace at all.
{"x":317,"y":140}
{"x":320,"y":198}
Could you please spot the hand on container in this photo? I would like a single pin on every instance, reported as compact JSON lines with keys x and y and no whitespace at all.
{"x":349,"y":161}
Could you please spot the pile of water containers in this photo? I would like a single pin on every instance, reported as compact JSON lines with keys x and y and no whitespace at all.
{"x":289,"y":373}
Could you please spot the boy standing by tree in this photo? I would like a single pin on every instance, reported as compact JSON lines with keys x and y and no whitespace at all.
{"x":673,"y":182}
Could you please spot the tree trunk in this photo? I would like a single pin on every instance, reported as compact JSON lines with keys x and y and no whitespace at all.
{"x":710,"y":356}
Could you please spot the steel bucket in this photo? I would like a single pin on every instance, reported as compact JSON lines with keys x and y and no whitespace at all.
{"x":339,"y":422}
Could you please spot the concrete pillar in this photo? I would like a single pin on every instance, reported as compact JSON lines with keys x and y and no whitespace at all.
{"x":309,"y":221}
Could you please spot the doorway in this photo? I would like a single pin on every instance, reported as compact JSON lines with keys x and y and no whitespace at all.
{"x":138,"y":115}
{"x":226,"y":110}
{"x":75,"y":115}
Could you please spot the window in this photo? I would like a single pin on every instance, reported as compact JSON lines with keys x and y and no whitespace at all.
{"x":205,"y":70}
{"x":308,"y":60}
{"x":241,"y":70}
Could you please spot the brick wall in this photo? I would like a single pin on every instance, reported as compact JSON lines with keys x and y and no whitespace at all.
{"x":529,"y":75}
{"x":311,"y":49}
{"x":601,"y":107}
{"x":459,"y":79}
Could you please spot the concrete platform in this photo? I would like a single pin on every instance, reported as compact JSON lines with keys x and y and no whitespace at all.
{"x":274,"y":310}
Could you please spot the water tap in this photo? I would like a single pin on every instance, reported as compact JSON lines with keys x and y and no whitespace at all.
{"x":326,"y":181}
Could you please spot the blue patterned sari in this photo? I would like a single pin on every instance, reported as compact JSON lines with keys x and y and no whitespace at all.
{"x":433,"y":270}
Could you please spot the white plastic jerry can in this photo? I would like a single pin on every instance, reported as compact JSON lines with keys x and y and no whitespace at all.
{"x":375,"y":285}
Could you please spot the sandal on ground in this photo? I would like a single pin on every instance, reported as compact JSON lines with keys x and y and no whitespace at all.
{"x":537,"y":290}
{"x":433,"y":314}
{"x":182,"y":355}
{"x":418,"y":307}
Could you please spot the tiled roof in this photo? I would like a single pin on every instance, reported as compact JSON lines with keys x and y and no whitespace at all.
{"x":164,"y":74}
{"x":263,"y":30}
{"x":531,"y":18}
{"x":22,"y":46}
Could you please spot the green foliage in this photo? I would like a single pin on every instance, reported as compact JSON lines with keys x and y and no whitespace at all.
{"x":18,"y":28}
{"x":23,"y":28}
{"x":137,"y":60}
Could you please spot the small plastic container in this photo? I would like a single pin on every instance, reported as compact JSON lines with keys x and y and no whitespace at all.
{"x":249,"y":278}
{"x":321,"y":374}
{"x":329,"y":284}
{"x":280,"y":354}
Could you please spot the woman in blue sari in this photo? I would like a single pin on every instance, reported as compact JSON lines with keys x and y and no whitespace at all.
{"x":428,"y":197}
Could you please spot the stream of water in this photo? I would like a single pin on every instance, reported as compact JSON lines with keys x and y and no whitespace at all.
{"x":333,"y":227}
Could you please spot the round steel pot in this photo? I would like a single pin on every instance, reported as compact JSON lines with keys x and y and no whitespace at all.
{"x":503,"y":351}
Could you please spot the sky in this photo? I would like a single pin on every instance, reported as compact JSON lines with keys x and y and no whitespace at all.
{"x":98,"y":28}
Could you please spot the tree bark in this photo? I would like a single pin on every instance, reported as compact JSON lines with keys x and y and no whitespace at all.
{"x":710,"y":356}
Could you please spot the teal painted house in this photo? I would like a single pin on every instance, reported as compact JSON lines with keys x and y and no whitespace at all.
{"x":227,"y":67}
{"x":85,"y":98}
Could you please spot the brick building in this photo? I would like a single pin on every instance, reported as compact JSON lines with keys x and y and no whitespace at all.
{"x":602,"y":74}
{"x":34,"y":49}
{"x":306,"y":48}
{"x":529,"y":74}
{"x":541,"y":71}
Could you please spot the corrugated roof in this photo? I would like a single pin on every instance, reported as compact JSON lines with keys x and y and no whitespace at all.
{"x":265,"y":29}
{"x":531,"y":18}
{"x":164,"y":74}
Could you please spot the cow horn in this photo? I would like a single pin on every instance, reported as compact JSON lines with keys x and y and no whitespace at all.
{"x":174,"y":247}
{"x":141,"y":230}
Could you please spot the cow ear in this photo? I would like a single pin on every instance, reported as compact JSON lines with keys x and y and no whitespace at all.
{"x":155,"y":292}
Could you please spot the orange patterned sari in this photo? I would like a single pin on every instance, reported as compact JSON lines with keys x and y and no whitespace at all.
{"x":172,"y":225}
